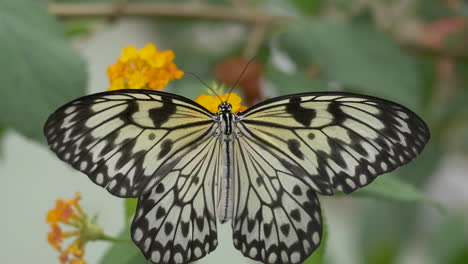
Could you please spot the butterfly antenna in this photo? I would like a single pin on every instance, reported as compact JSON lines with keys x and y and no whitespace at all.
{"x":240,"y":76}
{"x":207,"y":86}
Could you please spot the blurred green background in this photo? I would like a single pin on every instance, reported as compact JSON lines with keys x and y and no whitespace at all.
{"x":414,"y":52}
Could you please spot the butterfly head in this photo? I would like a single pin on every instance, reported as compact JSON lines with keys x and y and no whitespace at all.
{"x":225,"y":107}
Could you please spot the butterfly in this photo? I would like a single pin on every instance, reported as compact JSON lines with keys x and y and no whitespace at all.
{"x":260,"y":169}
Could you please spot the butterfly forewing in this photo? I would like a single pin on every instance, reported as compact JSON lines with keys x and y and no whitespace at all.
{"x":128,"y":140}
{"x":343,"y":141}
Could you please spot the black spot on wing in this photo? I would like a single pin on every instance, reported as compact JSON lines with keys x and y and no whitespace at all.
{"x":299,"y":113}
{"x":285,"y":229}
{"x":297,"y":190}
{"x":338,"y":114}
{"x":166,"y":147}
{"x":267,"y":229}
{"x":185,"y":227}
{"x":160,"y":188}
{"x":168,"y":228}
{"x":160,"y":213}
{"x":293,"y":146}
{"x":161,"y":114}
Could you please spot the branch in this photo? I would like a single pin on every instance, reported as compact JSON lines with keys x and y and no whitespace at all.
{"x":260,"y":20}
{"x":208,"y":12}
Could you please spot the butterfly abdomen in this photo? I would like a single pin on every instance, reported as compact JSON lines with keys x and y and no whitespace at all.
{"x":226,"y":188}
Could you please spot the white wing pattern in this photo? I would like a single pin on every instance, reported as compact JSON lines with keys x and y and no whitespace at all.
{"x":292,"y":147}
{"x":176,"y":221}
{"x":167,"y":150}
{"x":277,"y":216}
{"x":339,"y":140}
{"x":128,"y":140}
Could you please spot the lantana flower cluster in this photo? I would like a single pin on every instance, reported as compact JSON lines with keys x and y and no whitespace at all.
{"x":68,"y":213}
{"x":145,"y":68}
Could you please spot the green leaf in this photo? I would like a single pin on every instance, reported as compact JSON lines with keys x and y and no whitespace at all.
{"x":29,"y":14}
{"x":130,"y":208}
{"x":309,"y":7}
{"x":391,"y":188}
{"x":124,"y":252}
{"x":79,"y":27}
{"x":387,"y":225}
{"x":189,"y":86}
{"x":40,"y":71}
{"x":2,"y":133}
{"x":453,"y":250}
{"x":289,"y":83}
{"x":318,"y":256}
{"x":356,"y":56}
{"x":383,"y":252}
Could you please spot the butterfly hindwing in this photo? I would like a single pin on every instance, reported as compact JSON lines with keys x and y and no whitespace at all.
{"x":277,"y":216}
{"x":341,"y":140}
{"x":175,"y":222}
{"x":127,"y":140}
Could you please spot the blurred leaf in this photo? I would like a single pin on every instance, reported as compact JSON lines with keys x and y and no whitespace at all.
{"x":383,"y":252}
{"x":394,"y":189}
{"x":189,"y":86}
{"x":345,"y":4}
{"x":356,"y":56}
{"x":290,"y":83}
{"x":318,"y":256}
{"x":2,"y":134}
{"x":210,"y":43}
{"x":40,"y":71}
{"x":28,"y":14}
{"x":79,"y":27}
{"x":130,"y":208}
{"x":453,"y":250}
{"x":309,"y":7}
{"x":433,"y":9}
{"x":387,"y":225}
{"x":124,"y":252}
{"x":365,"y":16}
{"x":428,"y":72}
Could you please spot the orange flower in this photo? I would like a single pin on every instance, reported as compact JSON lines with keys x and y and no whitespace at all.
{"x":146,"y":68}
{"x":69,"y":213}
{"x":55,"y":236}
{"x":211,"y":102}
{"x":64,"y":210}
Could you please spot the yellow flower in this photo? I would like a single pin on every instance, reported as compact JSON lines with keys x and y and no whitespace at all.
{"x":117,"y":84}
{"x":146,"y":68}
{"x":211,"y":102}
{"x":128,"y":53}
{"x":137,"y":80}
{"x":69,"y":213}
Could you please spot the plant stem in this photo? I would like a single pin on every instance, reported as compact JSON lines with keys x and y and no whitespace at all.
{"x":115,"y":239}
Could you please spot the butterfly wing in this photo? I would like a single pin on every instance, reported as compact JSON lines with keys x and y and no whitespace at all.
{"x":176,"y":221}
{"x":290,"y":148}
{"x":338,"y":140}
{"x":276,"y":216}
{"x":127,"y":140}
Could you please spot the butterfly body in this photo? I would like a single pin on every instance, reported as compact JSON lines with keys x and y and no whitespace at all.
{"x":227,"y":121}
{"x":261,"y":169}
